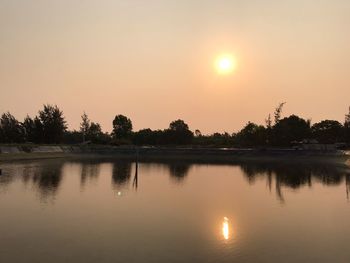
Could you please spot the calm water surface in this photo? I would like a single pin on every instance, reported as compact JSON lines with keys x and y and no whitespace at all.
{"x":103,"y":211}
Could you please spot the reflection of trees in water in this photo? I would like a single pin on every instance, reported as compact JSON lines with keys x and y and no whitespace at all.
{"x":11,"y":174}
{"x":347,"y":184}
{"x":45,"y":177}
{"x":5,"y":179}
{"x":178,"y":171}
{"x":135,"y":181}
{"x":121,"y":173}
{"x":89,"y":170}
{"x":294,"y":175}
{"x":289,"y":175}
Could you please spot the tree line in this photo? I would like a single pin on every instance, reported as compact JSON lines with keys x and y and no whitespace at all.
{"x":50,"y":127}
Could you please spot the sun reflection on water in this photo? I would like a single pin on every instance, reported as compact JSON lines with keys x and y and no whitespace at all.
{"x":225,"y":229}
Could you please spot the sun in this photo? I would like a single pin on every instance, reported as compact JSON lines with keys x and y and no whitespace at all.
{"x":225,"y":64}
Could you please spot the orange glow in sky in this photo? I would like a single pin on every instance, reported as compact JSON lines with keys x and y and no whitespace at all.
{"x":225,"y":64}
{"x":216,"y":67}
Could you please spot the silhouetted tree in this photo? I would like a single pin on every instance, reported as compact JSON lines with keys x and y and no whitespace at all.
{"x":72,"y":137}
{"x":54,"y":124}
{"x":327,"y":131}
{"x":292,"y":128}
{"x":347,"y":118}
{"x":347,"y":127}
{"x":197,"y":133}
{"x":215,"y":140}
{"x":38,"y":132}
{"x":84,"y":125}
{"x":178,"y":125}
{"x":33,"y":129}
{"x":11,"y":129}
{"x":2,"y":137}
{"x":145,"y":137}
{"x":268,"y":122}
{"x":179,"y":133}
{"x":278,"y":112}
{"x":122,"y":127}
{"x":50,"y":127}
{"x":251,"y":135}
{"x":29,"y":128}
{"x":94,"y":133}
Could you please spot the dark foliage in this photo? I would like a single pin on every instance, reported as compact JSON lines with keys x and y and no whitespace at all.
{"x":287,"y":130}
{"x":147,"y":137}
{"x":347,"y":127}
{"x":50,"y":127}
{"x":277,"y":113}
{"x":33,"y":130}
{"x":327,"y":131}
{"x":122,"y":127}
{"x":53,"y":123}
{"x":84,"y":125}
{"x":11,"y":129}
{"x":178,"y":133}
{"x":252,"y":135}
{"x":72,"y":137}
{"x":29,"y":127}
{"x":215,"y":140}
{"x":92,"y":132}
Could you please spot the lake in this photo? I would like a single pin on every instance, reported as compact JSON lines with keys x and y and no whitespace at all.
{"x":114,"y":211}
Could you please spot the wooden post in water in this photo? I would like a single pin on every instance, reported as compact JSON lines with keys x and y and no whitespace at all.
{"x":137,"y":155}
{"x":135,"y":182}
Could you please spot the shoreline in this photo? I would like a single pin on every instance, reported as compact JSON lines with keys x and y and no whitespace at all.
{"x":205,"y":155}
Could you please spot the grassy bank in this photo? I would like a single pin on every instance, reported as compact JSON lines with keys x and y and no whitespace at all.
{"x":204,"y":155}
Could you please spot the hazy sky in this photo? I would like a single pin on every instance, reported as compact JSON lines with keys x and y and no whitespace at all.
{"x":154,"y":60}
